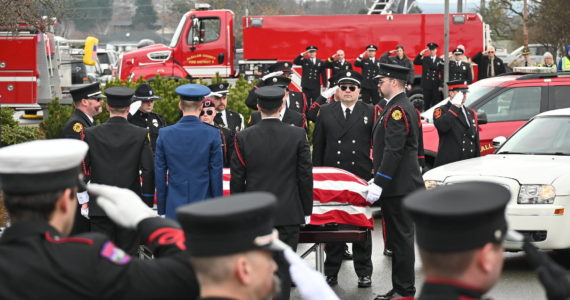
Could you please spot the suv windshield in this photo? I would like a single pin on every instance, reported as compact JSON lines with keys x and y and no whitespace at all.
{"x":541,"y":136}
{"x":476,"y":91}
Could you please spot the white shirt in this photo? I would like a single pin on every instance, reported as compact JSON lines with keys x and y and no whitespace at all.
{"x":314,"y":60}
{"x":90,"y":119}
{"x":345,"y":107}
{"x":465,"y":115}
{"x":282,"y":113}
{"x":224,"y":117}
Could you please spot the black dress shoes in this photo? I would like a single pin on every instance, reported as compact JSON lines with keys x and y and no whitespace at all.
{"x":332,"y":280}
{"x":390,"y":295}
{"x":364,"y":282}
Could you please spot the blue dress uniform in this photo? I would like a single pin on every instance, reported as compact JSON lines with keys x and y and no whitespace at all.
{"x":432,"y":74}
{"x":460,"y":70}
{"x":188,"y":158}
{"x":314,"y":76}
{"x":370,"y":67}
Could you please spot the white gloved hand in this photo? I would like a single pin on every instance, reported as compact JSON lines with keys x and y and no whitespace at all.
{"x":307,"y":219}
{"x":272,"y":74}
{"x":85,"y":211}
{"x":122,"y":206}
{"x":162,"y":216}
{"x":82,"y":197}
{"x":458,"y":99}
{"x":374,"y":192}
{"x":310,"y":283}
{"x":328,"y":93}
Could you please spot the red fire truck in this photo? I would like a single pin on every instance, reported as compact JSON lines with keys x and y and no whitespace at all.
{"x":203,"y":43}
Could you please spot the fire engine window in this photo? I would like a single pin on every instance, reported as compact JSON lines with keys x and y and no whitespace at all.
{"x":516,"y":104}
{"x":206,"y":30}
{"x":560,"y":96}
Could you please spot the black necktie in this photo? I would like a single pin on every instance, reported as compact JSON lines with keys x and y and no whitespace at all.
{"x":347,"y":113}
{"x":218,"y":119}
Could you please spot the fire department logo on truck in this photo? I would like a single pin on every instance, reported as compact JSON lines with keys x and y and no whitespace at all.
{"x":200,"y":59}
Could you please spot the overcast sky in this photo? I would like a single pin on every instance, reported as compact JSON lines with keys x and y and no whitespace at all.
{"x":437,"y":6}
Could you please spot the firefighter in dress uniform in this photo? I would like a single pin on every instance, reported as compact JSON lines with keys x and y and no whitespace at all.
{"x":314,"y":77}
{"x":459,"y":69}
{"x":342,"y":139}
{"x":286,"y":114}
{"x":87,"y":102}
{"x":370,"y":66}
{"x":207,"y":116}
{"x":456,"y":126}
{"x":396,"y":174}
{"x":225,"y":116}
{"x":144,"y":117}
{"x":337,"y":63}
{"x":432,"y":73}
{"x":38,"y":260}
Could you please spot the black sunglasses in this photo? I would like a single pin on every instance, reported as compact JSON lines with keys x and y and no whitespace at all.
{"x":352,"y":88}
{"x":209,"y":112}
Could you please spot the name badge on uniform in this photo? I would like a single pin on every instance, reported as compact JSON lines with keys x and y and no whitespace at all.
{"x":365,"y":120}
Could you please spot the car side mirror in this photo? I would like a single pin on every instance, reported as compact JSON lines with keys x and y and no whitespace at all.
{"x":482,"y":118}
{"x":499,"y":141}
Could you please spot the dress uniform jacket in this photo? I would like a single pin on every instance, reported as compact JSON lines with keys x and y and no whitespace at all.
{"x":314,"y":110}
{"x":344,"y":144}
{"x":190,"y":152}
{"x":297,"y":100}
{"x":336,"y":65}
{"x":275,"y":157}
{"x":369,"y":70}
{"x":314,"y":75}
{"x":484,"y":61}
{"x":151,"y":121}
{"x":118,"y":150}
{"x":235,"y":121}
{"x":458,"y":139}
{"x":460,"y":70}
{"x":432,"y":71}
{"x":290,"y":117}
{"x":75,"y":127}
{"x":227,"y":137}
{"x":37,"y":262}
{"x":395,"y":148}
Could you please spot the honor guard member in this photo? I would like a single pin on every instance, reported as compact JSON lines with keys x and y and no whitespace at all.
{"x":432,"y":74}
{"x":295,"y":100}
{"x":87,"y":102}
{"x":190,"y":153}
{"x":39,"y":261}
{"x":274,"y":157}
{"x":396,"y":174}
{"x":119,"y":155}
{"x":337,"y":63}
{"x":370,"y":66}
{"x":459,"y":69}
{"x":342,"y":139}
{"x":460,"y":231}
{"x":144,"y":117}
{"x":314,"y":76}
{"x":207,"y":116}
{"x":456,"y":126}
{"x":286,"y":115}
{"x":225,"y":116}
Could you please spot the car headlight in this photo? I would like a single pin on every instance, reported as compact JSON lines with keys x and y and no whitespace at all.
{"x":430,"y":184}
{"x":536,"y":194}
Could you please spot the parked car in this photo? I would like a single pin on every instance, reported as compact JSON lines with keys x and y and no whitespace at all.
{"x":534,"y":165}
{"x":108,"y":60}
{"x":503,"y":104}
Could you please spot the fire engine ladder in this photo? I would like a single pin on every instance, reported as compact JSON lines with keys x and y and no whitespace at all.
{"x":384,"y":7}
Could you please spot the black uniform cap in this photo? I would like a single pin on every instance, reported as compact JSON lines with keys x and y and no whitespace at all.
{"x":312,"y":48}
{"x":348,"y":76}
{"x":284,"y":66}
{"x":371,"y":47}
{"x":279,"y":81}
{"x":393,"y":71}
{"x":269,"y":97}
{"x":459,"y":217}
{"x":119,"y":96}
{"x":458,"y":51}
{"x":219,"y":88}
{"x":144,"y":92}
{"x":432,"y":46}
{"x":457,"y":85}
{"x":229,"y":225}
{"x":88,"y":91}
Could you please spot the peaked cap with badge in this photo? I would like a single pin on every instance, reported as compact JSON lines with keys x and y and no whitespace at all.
{"x":88,"y":91}
{"x":144,"y":92}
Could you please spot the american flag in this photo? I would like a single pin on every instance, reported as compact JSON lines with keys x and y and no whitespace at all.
{"x":339,"y":197}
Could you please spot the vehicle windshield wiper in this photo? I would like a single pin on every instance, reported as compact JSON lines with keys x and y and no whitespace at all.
{"x":512,"y":152}
{"x":552,"y":153}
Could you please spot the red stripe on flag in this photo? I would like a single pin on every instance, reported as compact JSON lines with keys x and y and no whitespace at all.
{"x":339,"y":216}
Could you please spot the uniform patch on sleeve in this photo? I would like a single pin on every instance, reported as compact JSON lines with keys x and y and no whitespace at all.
{"x":114,"y":254}
{"x":397,"y":115}
{"x":77,"y":127}
{"x":437,"y":113}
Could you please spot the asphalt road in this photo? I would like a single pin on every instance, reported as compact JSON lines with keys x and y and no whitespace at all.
{"x":518,"y":280}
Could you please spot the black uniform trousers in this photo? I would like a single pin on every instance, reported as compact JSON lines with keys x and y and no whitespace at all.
{"x":311,"y":95}
{"x":400,"y":233}
{"x":126,"y":239}
{"x":290,"y":236}
{"x":370,"y":96}
{"x":431,"y":96}
{"x":361,"y":255}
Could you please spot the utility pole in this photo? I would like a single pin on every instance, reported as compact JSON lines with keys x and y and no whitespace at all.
{"x":446,"y":49}
{"x":525,"y":21}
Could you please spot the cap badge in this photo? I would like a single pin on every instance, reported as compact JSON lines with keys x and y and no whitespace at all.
{"x":77,"y":127}
{"x":150,"y":92}
{"x":498,"y":234}
{"x":396,"y":115}
{"x":221,"y":86}
{"x":286,"y":64}
{"x":348,"y":74}
{"x":274,"y":79}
